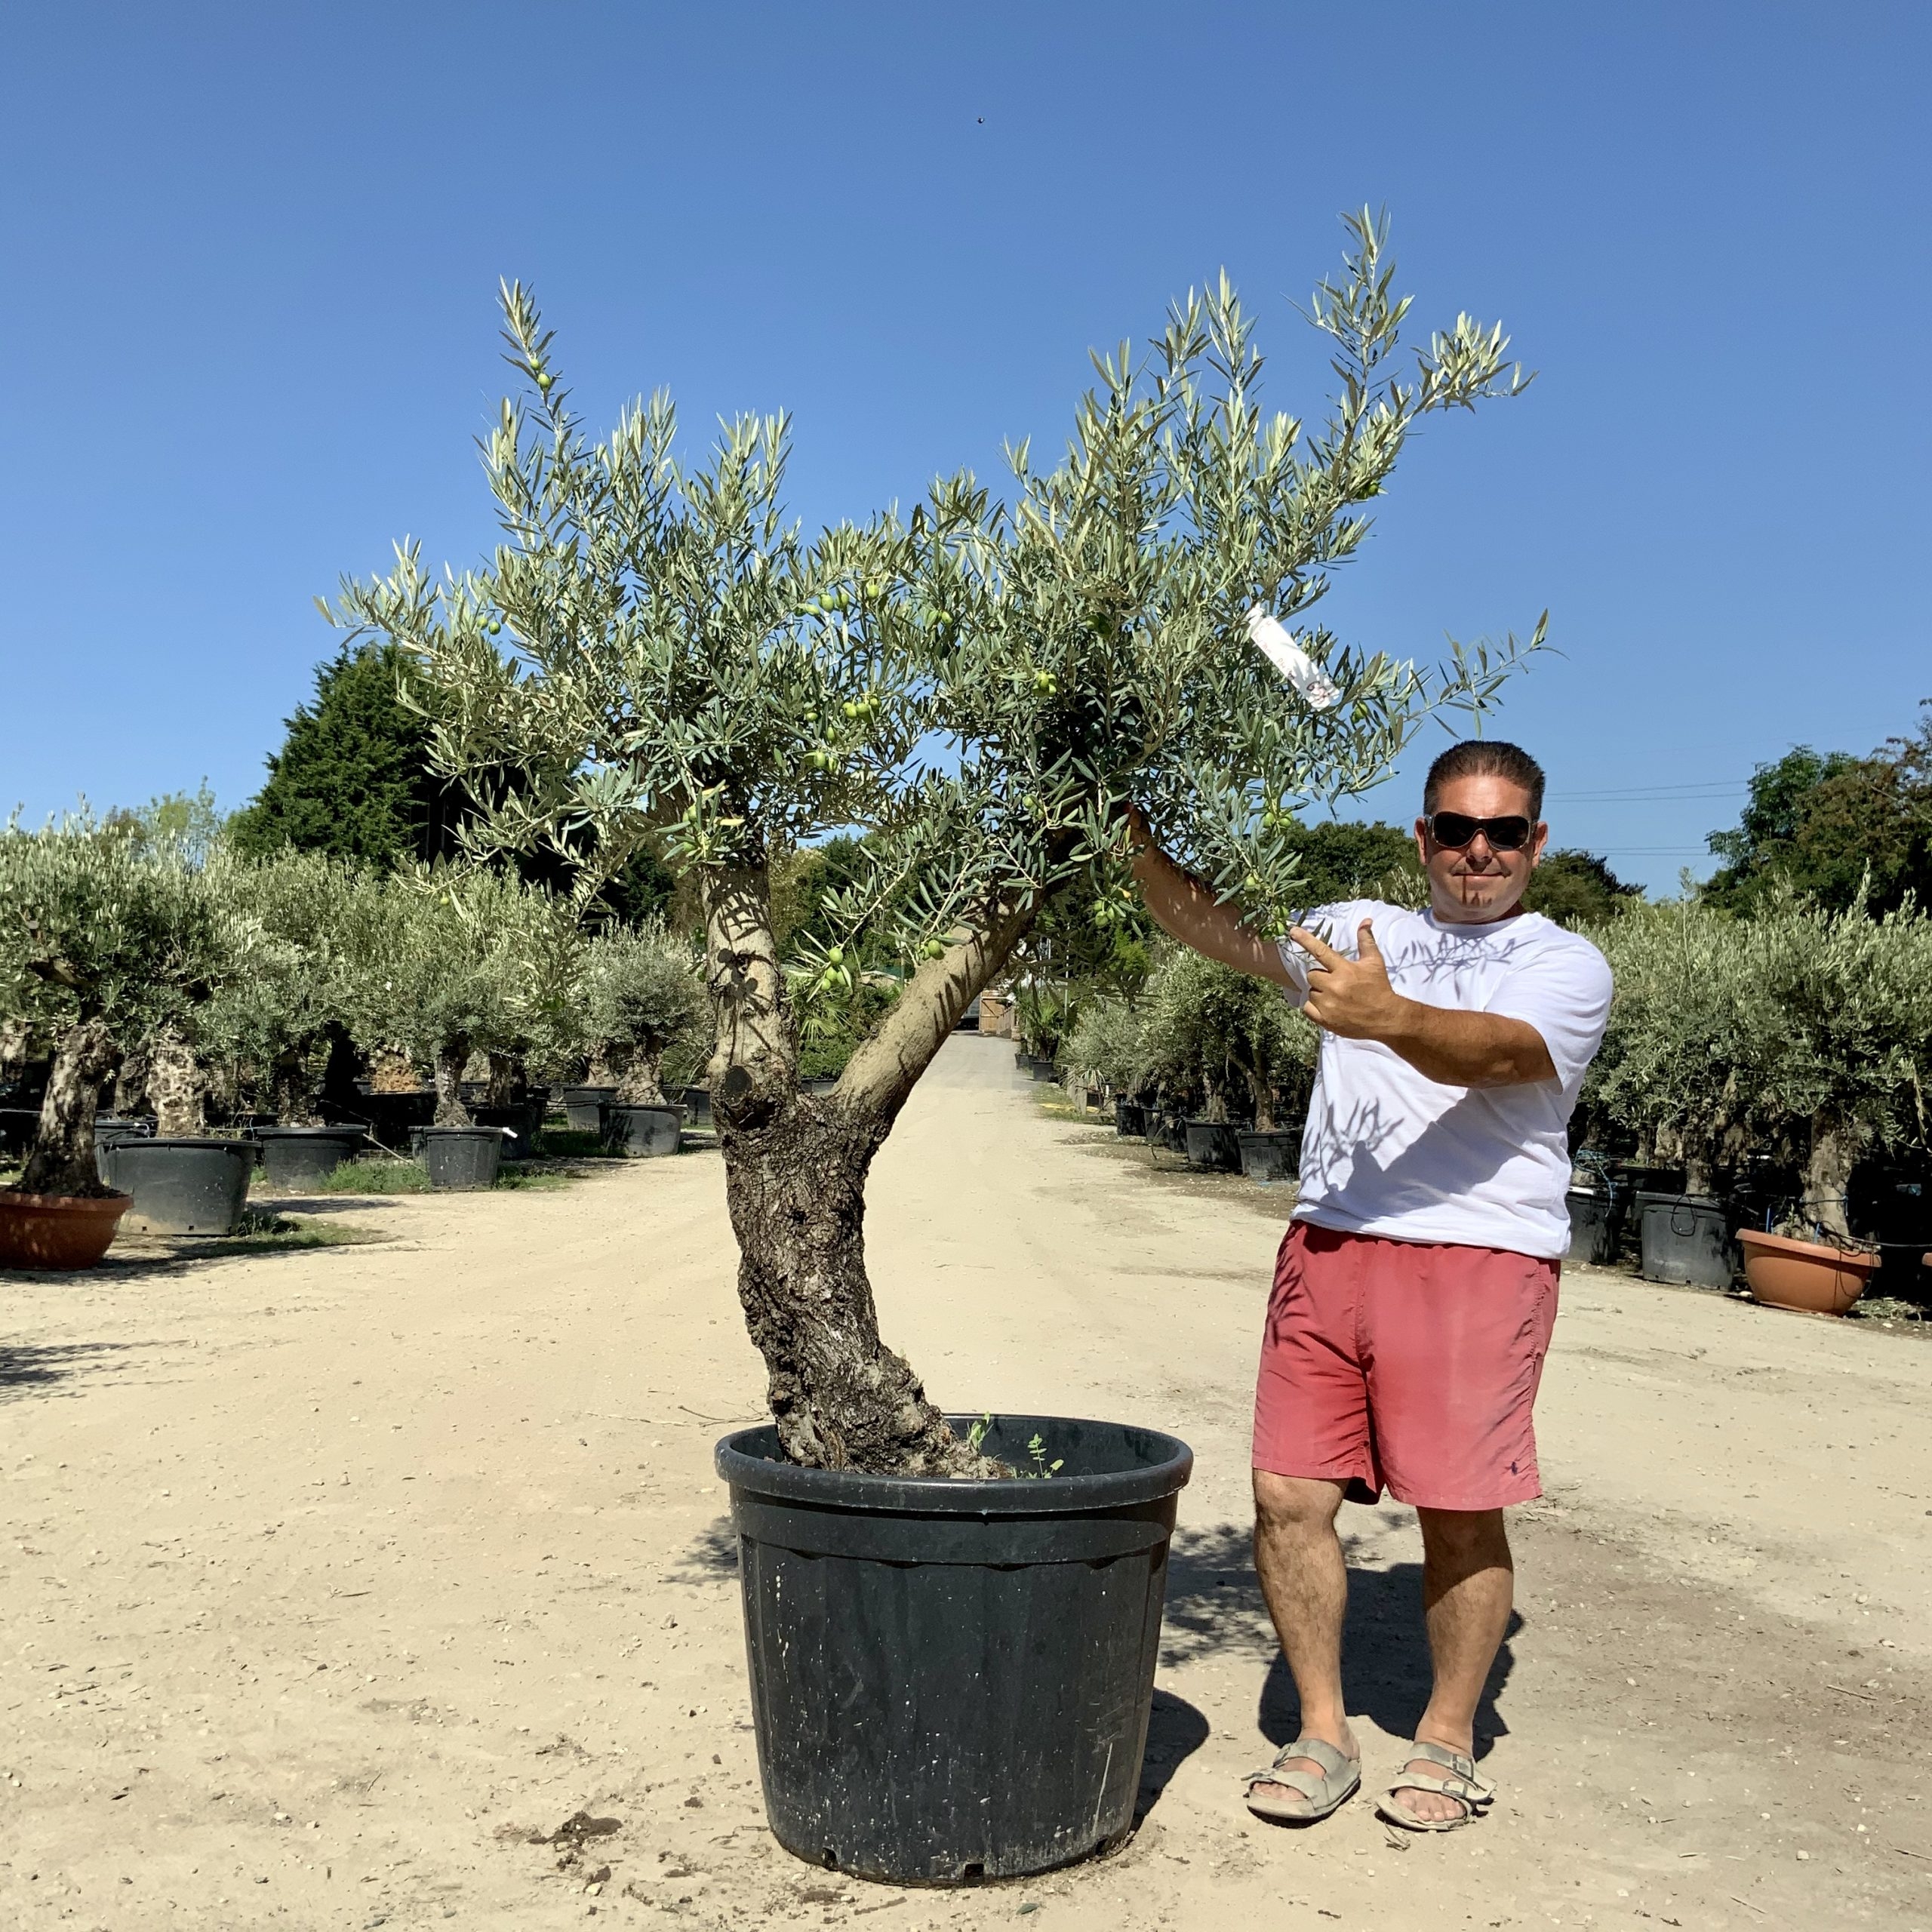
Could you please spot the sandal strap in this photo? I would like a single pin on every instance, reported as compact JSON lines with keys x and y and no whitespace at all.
{"x":1334,"y":1764}
{"x":1459,"y":1780}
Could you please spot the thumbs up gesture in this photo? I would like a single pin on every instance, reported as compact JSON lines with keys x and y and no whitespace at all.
{"x":1350,"y":997}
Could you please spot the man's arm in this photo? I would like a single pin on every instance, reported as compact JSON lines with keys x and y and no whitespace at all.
{"x":1179,"y":902}
{"x":1353,"y":998}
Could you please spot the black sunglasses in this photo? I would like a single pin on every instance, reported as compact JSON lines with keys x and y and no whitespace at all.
{"x":1454,"y":830}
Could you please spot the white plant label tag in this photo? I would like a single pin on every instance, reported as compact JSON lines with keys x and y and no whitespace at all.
{"x":1278,"y":647}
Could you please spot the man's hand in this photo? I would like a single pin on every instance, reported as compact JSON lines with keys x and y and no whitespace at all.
{"x":1350,"y":997}
{"x":1353,"y":997}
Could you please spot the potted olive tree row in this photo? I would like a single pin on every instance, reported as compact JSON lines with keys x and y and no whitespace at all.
{"x":1798,"y":1031}
{"x":660,"y":653}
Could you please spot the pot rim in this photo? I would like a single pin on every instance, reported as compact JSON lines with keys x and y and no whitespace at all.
{"x":76,"y":1204}
{"x":333,"y":1133}
{"x":195,"y":1142}
{"x":1807,"y":1251}
{"x":476,"y":1132}
{"x":738,"y":1460}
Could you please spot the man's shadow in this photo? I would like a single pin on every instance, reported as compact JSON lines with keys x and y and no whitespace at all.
{"x":1215,"y":1607}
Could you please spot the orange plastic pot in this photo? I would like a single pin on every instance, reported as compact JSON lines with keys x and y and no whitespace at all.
{"x":1808,"y":1276}
{"x":57,"y":1230}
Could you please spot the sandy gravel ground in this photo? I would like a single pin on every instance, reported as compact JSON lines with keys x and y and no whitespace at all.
{"x":337,"y":1582}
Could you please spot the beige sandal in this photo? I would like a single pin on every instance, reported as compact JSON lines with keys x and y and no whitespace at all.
{"x":1327,"y":1791}
{"x":1458,"y":1780}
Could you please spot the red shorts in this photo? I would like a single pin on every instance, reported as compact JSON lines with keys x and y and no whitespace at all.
{"x":1407,"y":1365}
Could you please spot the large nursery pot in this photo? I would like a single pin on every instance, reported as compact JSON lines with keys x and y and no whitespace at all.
{"x":18,"y":1126}
{"x":1811,"y":1277}
{"x":299,"y":1157}
{"x":697,"y":1099}
{"x":1271,"y":1157}
{"x":1595,"y":1223}
{"x":637,"y":1132}
{"x":1165,"y":1131}
{"x":1214,"y":1145}
{"x":57,"y":1230}
{"x":1686,"y":1239}
{"x":951,"y":1680}
{"x":463,"y":1159}
{"x":1129,"y":1119}
{"x":181,"y":1186}
{"x":583,"y":1107}
{"x":519,"y":1122}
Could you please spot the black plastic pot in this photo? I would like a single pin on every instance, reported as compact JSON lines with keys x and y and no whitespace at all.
{"x":18,"y":1126}
{"x":1271,"y":1157}
{"x":522,"y":1120}
{"x":462,"y":1158}
{"x":1214,"y":1145}
{"x":387,"y":1118}
{"x":951,"y":1680}
{"x":1595,"y":1222}
{"x":1165,"y":1131}
{"x":1129,"y":1119}
{"x":180,"y":1186}
{"x":299,"y":1156}
{"x":698,"y":1100}
{"x":584,"y":1107}
{"x":1039,"y":1069}
{"x":1686,"y":1240}
{"x":639,"y":1132}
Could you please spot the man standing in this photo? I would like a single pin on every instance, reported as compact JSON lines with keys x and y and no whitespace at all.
{"x":1416,"y":1290}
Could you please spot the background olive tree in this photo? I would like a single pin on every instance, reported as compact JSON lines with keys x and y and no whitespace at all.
{"x":105,"y":943}
{"x":639,"y":996}
{"x":982,"y":687}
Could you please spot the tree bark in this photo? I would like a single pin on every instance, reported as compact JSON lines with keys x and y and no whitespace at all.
{"x":795,"y":1168}
{"x":175,"y":1086}
{"x":640,"y":1084}
{"x":62,"y":1161}
{"x":288,"y":1089}
{"x":130,"y":1080}
{"x":452,"y":1057}
{"x":1827,"y":1173}
{"x":509,"y":1085}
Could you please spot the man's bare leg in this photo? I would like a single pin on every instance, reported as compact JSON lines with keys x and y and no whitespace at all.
{"x":1298,"y":1557}
{"x":1468,"y":1588}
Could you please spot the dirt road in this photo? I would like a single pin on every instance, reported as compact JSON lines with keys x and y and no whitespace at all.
{"x":337,"y":1580}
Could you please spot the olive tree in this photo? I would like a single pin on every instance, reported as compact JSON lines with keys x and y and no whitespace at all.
{"x":640,"y":995}
{"x":984,"y":687}
{"x":103,"y":945}
{"x":1210,"y":1027}
{"x":305,"y":911}
{"x":452,"y":961}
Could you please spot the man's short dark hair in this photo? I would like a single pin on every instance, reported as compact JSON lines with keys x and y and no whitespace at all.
{"x":1484,"y":757}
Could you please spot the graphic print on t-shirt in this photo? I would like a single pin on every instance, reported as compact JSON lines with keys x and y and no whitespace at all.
{"x":1387,"y":1151}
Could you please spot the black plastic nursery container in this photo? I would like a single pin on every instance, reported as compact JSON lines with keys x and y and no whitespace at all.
{"x":1596,"y":1225}
{"x":639,"y":1132}
{"x":1270,"y":1157}
{"x":299,"y":1156}
{"x":698,"y":1100}
{"x":462,"y":1159}
{"x":584,"y":1106}
{"x":1214,"y":1145}
{"x":1686,"y":1240}
{"x":522,"y":1118}
{"x":951,"y":1680}
{"x":1129,"y":1119}
{"x":1166,"y":1132}
{"x":179,"y":1185}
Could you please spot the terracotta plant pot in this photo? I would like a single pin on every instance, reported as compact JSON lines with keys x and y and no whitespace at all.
{"x":1806,"y":1275}
{"x":57,"y":1230}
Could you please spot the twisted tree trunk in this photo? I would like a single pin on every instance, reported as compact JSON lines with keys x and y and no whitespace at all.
{"x":176,"y":1087}
{"x":62,"y":1161}
{"x":452,"y":1057}
{"x":1827,"y":1173}
{"x":795,"y":1168}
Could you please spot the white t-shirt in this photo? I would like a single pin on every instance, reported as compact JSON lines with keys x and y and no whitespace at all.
{"x":1387,"y":1151}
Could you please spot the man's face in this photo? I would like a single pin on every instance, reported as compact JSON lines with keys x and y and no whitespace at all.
{"x":1470,"y":883}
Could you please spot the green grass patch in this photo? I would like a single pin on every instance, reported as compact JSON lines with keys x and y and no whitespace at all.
{"x":278,"y":1234}
{"x":570,"y":1143}
{"x":375,"y":1177}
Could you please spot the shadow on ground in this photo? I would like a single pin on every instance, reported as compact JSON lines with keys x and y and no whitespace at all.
{"x":28,"y":1368}
{"x":1215,"y":1607}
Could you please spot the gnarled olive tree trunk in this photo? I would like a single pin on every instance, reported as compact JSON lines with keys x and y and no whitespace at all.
{"x":176,"y":1087}
{"x":795,"y":1167}
{"x":62,"y":1161}
{"x":1827,"y":1173}
{"x":452,"y":1057}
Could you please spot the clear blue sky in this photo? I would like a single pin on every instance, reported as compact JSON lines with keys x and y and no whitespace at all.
{"x":252,"y":254}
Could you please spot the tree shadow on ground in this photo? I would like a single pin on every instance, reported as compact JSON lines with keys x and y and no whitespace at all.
{"x":37,"y":1368}
{"x":1215,"y":1607}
